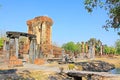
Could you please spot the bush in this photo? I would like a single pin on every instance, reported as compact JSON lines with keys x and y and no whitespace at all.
{"x":1,"y":42}
{"x":71,"y":66}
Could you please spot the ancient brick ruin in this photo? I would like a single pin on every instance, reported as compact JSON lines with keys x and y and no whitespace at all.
{"x":42,"y":27}
{"x":37,"y":46}
{"x":12,"y":49}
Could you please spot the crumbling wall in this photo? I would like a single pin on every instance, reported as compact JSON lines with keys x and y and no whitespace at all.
{"x":41,"y":27}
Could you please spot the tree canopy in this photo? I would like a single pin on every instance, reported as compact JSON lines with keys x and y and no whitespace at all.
{"x":71,"y":46}
{"x":113,"y":9}
{"x":109,"y":49}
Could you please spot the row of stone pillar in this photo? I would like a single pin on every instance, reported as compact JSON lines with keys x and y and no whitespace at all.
{"x":90,"y":49}
{"x":11,"y":48}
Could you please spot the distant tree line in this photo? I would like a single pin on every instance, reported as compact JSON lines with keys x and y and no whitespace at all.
{"x":76,"y":48}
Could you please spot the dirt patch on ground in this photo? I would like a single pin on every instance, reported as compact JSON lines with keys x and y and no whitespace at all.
{"x":41,"y":75}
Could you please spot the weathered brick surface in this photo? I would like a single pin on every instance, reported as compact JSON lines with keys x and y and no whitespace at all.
{"x":41,"y":27}
{"x":39,"y":61}
{"x":13,"y":62}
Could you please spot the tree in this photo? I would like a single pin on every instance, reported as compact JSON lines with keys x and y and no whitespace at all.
{"x":70,"y":46}
{"x":113,"y":8}
{"x":117,"y":46}
{"x":106,"y":49}
{"x":93,"y":41}
{"x":112,"y":50}
{"x":109,"y":50}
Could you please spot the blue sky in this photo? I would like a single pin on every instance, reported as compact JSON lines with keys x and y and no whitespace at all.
{"x":71,"y":21}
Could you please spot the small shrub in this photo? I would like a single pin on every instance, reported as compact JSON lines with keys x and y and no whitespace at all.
{"x":71,"y":66}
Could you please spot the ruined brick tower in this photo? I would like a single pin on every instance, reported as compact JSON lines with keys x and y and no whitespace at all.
{"x":41,"y":27}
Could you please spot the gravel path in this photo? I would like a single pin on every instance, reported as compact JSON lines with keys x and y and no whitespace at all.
{"x":28,"y":66}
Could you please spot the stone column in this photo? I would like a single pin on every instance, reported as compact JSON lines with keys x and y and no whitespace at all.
{"x":82,"y":49}
{"x":101,"y":50}
{"x":31,"y":52}
{"x":43,"y":32}
{"x":4,"y":45}
{"x":93,"y":51}
{"x":37,"y":30}
{"x":90,"y":50}
{"x":86,"y":49}
{"x":34,"y":49}
{"x":7,"y":50}
{"x":11,"y":47}
{"x":16,"y":47}
{"x":41,"y":51}
{"x":37,"y":50}
{"x":50,"y":35}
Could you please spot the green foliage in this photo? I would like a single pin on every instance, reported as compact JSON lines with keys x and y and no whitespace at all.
{"x":90,"y":4}
{"x":70,"y":46}
{"x":92,"y":41}
{"x":112,"y":50}
{"x":106,"y":49}
{"x":113,"y":8}
{"x":109,"y":50}
{"x":1,"y":42}
{"x":97,"y":49}
{"x":117,"y":46}
{"x":71,"y":66}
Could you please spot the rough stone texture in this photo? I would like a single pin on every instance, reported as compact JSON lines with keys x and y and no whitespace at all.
{"x":41,"y":27}
{"x":60,"y":76}
{"x":57,"y":51}
{"x":97,"y":66}
{"x":11,"y":74}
